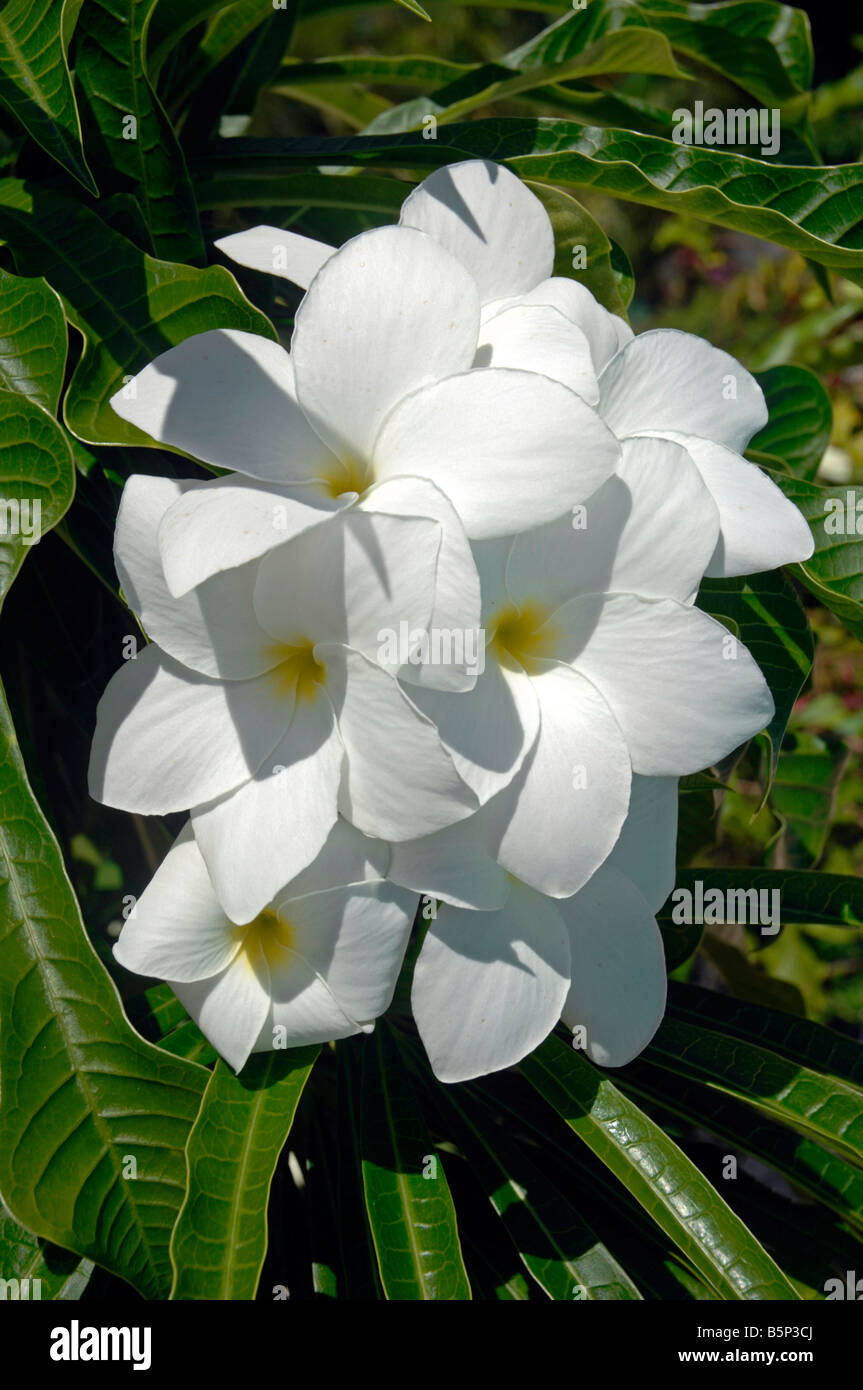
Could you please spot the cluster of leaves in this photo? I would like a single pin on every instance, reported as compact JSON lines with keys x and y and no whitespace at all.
{"x":131,"y":133}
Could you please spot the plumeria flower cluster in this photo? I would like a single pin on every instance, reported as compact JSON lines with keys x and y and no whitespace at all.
{"x":430,"y":637}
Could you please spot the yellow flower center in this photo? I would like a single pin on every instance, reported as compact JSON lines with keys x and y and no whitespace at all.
{"x":522,"y":636}
{"x":268,"y":933}
{"x":296,"y":670}
{"x":346,"y":475}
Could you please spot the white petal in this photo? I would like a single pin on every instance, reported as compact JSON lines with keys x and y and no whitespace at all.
{"x":510,"y":449}
{"x":486,"y":217}
{"x":489,"y":986}
{"x":667,"y":380}
{"x":760,"y":529}
{"x":488,"y":730}
{"x":178,"y":930}
{"x":230,"y":521}
{"x":230,"y":1009}
{"x":454,"y":865}
{"x":650,"y":530}
{"x":684,"y":691}
{"x":618,"y":969}
{"x":258,"y":837}
{"x":537,"y":338}
{"x":228,"y":398}
{"x":579,"y":766}
{"x":348,"y":857}
{"x":389,"y":312}
{"x":355,"y":580}
{"x":353,"y":941}
{"x":213,"y":629}
{"x":167,"y":738}
{"x":456,"y":611}
{"x":400,"y":782}
{"x":606,"y":332}
{"x":277,"y":252}
{"x":646,"y":851}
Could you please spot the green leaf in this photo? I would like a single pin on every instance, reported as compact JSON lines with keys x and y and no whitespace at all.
{"x":128,"y":307}
{"x":229,"y":28}
{"x":765,"y":613}
{"x":764,"y":47}
{"x":408,"y":70}
{"x":416,"y":8}
{"x":577,"y":235}
{"x":132,"y":137}
{"x":815,"y":211}
{"x":834,"y":573}
{"x":412,"y":1217}
{"x":92,"y":1119}
{"x":42,"y":1270}
{"x":810,"y":1166}
{"x":37,"y":479}
{"x":32,"y":340}
{"x":35,"y":84}
{"x":554,"y":1242}
{"x":828,"y":1109}
{"x":625,"y":50}
{"x":304,"y":190}
{"x":220,"y":1238}
{"x":804,"y":794}
{"x":800,"y":1040}
{"x":801,"y":418}
{"x":657,"y":1173}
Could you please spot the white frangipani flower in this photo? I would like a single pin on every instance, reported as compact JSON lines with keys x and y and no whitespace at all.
{"x":596,"y":665}
{"x":501,"y":963}
{"x":319,"y":961}
{"x":264,"y":707}
{"x":662,"y":382}
{"x":380,"y":385}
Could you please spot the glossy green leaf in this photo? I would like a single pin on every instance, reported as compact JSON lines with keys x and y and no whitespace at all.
{"x":825,"y":1107}
{"x":579,"y":240}
{"x":128,"y":307}
{"x":765,"y":613}
{"x":801,"y":419}
{"x":35,"y":84}
{"x":220,"y":1238}
{"x":92,"y":1119}
{"x":32,"y":340}
{"x":412,"y":1217}
{"x":657,"y":1173}
{"x":132,"y":140}
{"x":815,"y":211}
{"x":822,"y":1175}
{"x":834,"y":574}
